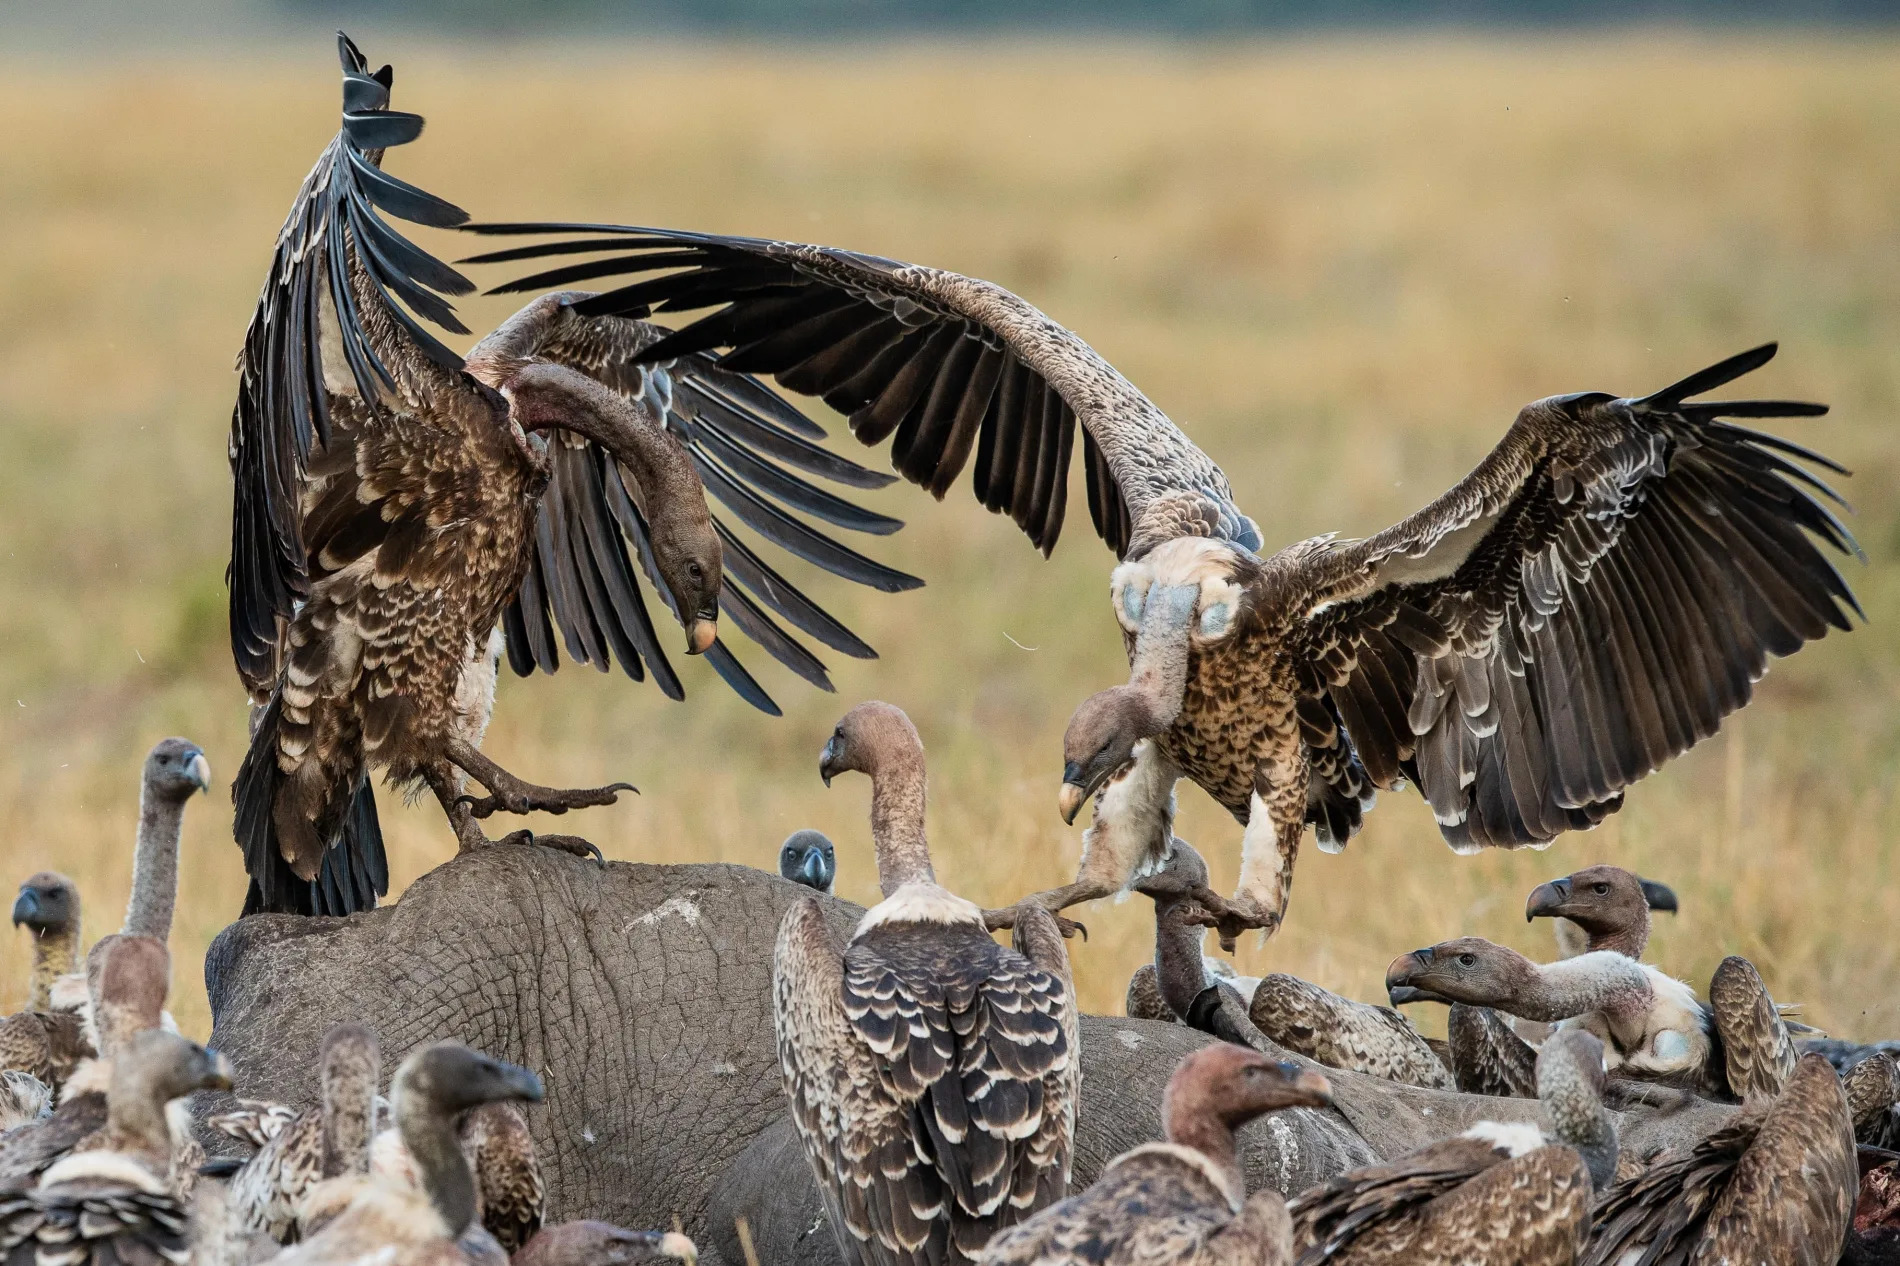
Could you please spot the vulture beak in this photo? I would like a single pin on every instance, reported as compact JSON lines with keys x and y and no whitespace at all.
{"x":701,"y":634}
{"x":1311,"y":1084}
{"x":673,"y":1244}
{"x":1398,"y":978}
{"x":813,"y":869}
{"x":1547,"y":899}
{"x":200,"y":770}
{"x":522,"y":1082}
{"x":26,"y":908}
{"x":1659,"y":896}
{"x":1074,"y":792}
{"x":219,"y":1078}
{"x":830,"y":761}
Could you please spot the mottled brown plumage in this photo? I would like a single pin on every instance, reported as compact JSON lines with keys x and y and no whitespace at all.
{"x":1487,"y":1055}
{"x":1758,"y":1053}
{"x":1182,"y":1202}
{"x":1776,"y":1184}
{"x":1873,"y":1099}
{"x":1341,"y":1033}
{"x":932,"y":1073}
{"x":510,"y":1196}
{"x":394,"y":502}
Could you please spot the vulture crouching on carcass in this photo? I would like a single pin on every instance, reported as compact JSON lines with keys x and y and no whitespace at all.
{"x":115,"y":1202}
{"x":402,"y":512}
{"x":932,"y":1073}
{"x":1183,"y":1202}
{"x":405,"y":1224}
{"x":1495,"y":1194}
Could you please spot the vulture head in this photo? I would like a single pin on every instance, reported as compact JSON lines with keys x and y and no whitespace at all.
{"x":1599,"y":899}
{"x":590,"y":1243}
{"x":808,"y":858}
{"x":869,"y":735}
{"x":48,"y":904}
{"x":449,"y":1079}
{"x":175,"y":769}
{"x":158,"y":1067}
{"x":1100,"y":743}
{"x":1233,"y":1085}
{"x":1470,"y":970}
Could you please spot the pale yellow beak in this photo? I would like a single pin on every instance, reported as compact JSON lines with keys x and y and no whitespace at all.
{"x":700,"y":636}
{"x":1070,"y":801}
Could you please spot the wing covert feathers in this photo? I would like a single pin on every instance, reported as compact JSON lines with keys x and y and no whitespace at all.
{"x":1757,"y":1049}
{"x":1341,"y":1033}
{"x":1487,"y":1055}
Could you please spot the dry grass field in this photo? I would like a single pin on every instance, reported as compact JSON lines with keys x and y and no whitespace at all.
{"x":1342,"y":267}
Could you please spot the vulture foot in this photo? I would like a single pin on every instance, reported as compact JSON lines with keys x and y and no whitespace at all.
{"x":1234,"y":915}
{"x":995,"y":920}
{"x":573,"y":844}
{"x":509,"y":794}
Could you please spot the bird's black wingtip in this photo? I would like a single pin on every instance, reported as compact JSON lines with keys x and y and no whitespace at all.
{"x":1704,"y":380}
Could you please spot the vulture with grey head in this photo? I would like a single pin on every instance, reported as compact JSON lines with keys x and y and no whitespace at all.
{"x":45,"y":1041}
{"x":396,"y":502}
{"x":932,"y":1073}
{"x":1493,"y":1194}
{"x":1182,"y":1202}
{"x":1591,"y":600}
{"x":808,"y":858}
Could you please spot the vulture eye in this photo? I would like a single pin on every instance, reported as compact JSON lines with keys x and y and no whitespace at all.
{"x":1467,"y":960}
{"x":1601,"y":890}
{"x":697,"y":572}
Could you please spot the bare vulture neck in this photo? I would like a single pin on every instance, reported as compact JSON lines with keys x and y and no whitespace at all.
{"x":1180,"y":971}
{"x":1629,"y":940}
{"x":897,"y":820}
{"x":155,"y":866}
{"x":1158,"y":672}
{"x":1607,"y":982}
{"x":55,"y":954}
{"x":545,"y":395}
{"x":430,"y":1137}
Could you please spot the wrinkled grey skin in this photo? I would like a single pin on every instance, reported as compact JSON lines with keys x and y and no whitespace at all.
{"x":642,"y":996}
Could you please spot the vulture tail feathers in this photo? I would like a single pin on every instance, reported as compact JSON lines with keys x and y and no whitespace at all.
{"x":355,"y":869}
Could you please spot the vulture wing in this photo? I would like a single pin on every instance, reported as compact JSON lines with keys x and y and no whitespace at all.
{"x":1331,"y":1216}
{"x":1341,"y":1033}
{"x":334,"y":278}
{"x":1487,"y":1055}
{"x":1590,"y":601}
{"x":943,"y":366}
{"x":1791,"y":1196}
{"x":1147,"y":1209}
{"x":742,"y":438}
{"x":1757,"y":1050}
{"x":1661,"y":1212}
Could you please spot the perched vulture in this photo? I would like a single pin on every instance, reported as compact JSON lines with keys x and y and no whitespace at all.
{"x":175,"y":770}
{"x":44,"y":1042}
{"x":932,"y":1073}
{"x":1182,"y":983}
{"x":1183,"y":1202}
{"x":1493,"y":1194}
{"x":395,"y":503}
{"x":1873,"y":1097}
{"x":403,"y":1224}
{"x":808,"y":858}
{"x":115,"y":1202}
{"x":1653,"y":1027}
{"x":1599,"y":908}
{"x":1590,"y":601}
{"x":1775,"y":1184}
{"x":132,"y":975}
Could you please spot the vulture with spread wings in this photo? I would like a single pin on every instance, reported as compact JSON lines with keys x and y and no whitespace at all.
{"x":395,"y":502}
{"x":1592,"y":600}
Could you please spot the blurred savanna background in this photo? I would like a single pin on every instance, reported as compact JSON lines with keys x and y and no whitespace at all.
{"x":1341,"y":258}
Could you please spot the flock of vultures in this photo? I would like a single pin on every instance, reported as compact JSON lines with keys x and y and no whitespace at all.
{"x":1590,"y":601}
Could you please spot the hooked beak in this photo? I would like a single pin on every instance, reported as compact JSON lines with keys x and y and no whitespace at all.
{"x":813,"y":870}
{"x":1399,"y":988}
{"x":1547,"y":899}
{"x":829,"y":760}
{"x":26,"y":908}
{"x":200,"y":770}
{"x":673,"y":1244}
{"x":701,"y":634}
{"x":522,"y":1082}
{"x":1074,"y":793}
{"x":1311,"y":1086}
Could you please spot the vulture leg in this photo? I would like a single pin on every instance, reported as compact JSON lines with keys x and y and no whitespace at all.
{"x":1276,"y":820}
{"x":513,"y":795}
{"x":464,"y":811}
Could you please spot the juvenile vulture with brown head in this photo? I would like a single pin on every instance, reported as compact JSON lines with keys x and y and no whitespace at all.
{"x":395,"y":501}
{"x":44,"y":1042}
{"x":1183,"y":1202}
{"x":932,"y":1073}
{"x":403,"y":1224}
{"x":114,"y":1202}
{"x":1590,"y":601}
{"x":1775,"y":1184}
{"x":1493,"y":1194}
{"x":1599,"y":908}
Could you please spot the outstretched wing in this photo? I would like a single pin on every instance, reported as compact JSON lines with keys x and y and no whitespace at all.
{"x":1590,"y":601}
{"x":742,"y":438}
{"x":943,"y":366}
{"x":336,"y":272}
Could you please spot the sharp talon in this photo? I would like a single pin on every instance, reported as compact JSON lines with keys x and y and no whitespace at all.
{"x":1070,"y":927}
{"x":464,"y":801}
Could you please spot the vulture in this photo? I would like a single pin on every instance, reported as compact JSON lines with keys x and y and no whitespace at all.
{"x":510,"y":1195}
{"x":1599,"y":908}
{"x":114,"y":1202}
{"x":808,"y":858}
{"x":1488,"y":1057}
{"x":47,"y":1042}
{"x":1181,"y":983}
{"x":1654,"y":1028}
{"x":132,"y":975}
{"x":932,"y":1073}
{"x":400,"y":1223}
{"x":403,"y":514}
{"x":331,"y":1140}
{"x":1777,"y":1184}
{"x":1182,"y":1202}
{"x":589,"y":1243}
{"x":175,"y":770}
{"x":23,"y":1098}
{"x":1873,"y":1097}
{"x":1493,"y":1194}
{"x":1588,"y":602}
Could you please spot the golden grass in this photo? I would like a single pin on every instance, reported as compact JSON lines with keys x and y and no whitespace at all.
{"x":1341,"y":267}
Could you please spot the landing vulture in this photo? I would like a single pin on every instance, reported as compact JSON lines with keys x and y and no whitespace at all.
{"x":1590,"y":601}
{"x":395,"y":503}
